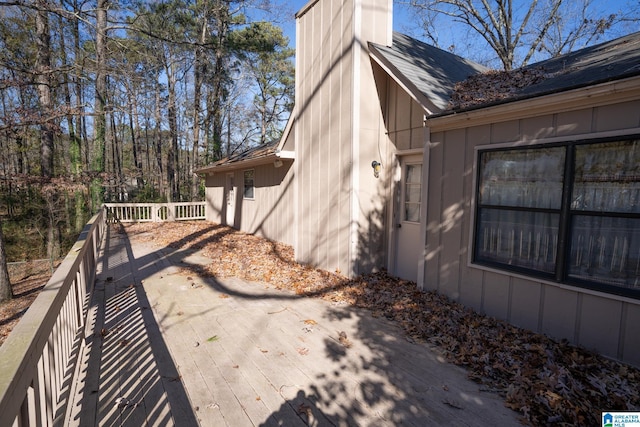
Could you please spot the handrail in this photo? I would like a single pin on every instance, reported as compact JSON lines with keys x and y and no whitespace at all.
{"x":37,"y":361}
{"x":155,"y":212}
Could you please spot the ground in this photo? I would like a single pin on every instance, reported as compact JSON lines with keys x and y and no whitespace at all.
{"x":27,"y":280}
{"x":548,"y":382}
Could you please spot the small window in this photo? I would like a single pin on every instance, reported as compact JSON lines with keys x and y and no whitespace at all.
{"x":412,"y":192}
{"x":248,"y":184}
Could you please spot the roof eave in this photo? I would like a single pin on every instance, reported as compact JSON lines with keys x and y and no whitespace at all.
{"x":567,"y":99}
{"x":278,"y":153}
{"x":411,"y":89}
{"x":242,"y":164}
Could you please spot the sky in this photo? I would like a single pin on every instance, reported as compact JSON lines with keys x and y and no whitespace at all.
{"x":399,"y":17}
{"x":403,"y":21}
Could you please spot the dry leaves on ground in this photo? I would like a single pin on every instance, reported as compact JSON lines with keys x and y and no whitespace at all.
{"x":27,"y":280}
{"x":547,"y":381}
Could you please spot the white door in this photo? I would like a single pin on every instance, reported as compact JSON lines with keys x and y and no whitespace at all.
{"x":231,"y":200}
{"x":408,"y":242}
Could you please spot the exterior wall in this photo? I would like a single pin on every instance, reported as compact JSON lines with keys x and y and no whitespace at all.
{"x":269,"y":214}
{"x":214,"y":197}
{"x":595,"y":320}
{"x":338,"y":132}
{"x":404,"y":119}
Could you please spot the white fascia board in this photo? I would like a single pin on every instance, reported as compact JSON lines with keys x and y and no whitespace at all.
{"x":286,"y":154}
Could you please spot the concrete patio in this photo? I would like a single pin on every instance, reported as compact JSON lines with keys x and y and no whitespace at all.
{"x":169,"y":346}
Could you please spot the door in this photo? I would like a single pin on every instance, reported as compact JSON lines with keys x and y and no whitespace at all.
{"x":231,"y":200}
{"x":408,"y":243}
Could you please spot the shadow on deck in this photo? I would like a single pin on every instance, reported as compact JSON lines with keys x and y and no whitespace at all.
{"x":172,"y":347}
{"x":127,"y":374}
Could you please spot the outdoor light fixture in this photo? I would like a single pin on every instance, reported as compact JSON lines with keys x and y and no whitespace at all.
{"x":376,"y":168}
{"x":277,"y":163}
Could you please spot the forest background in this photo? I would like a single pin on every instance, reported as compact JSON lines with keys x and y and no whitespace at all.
{"x":122,"y":100}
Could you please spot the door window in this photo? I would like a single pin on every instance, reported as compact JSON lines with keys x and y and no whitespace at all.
{"x":412,"y":192}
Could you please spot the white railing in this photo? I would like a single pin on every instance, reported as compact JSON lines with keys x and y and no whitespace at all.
{"x":155,"y":212}
{"x":38,"y":359}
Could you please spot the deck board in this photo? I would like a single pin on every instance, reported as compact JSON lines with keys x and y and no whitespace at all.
{"x":184,"y":349}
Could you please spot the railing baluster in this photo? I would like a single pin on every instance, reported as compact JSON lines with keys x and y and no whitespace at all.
{"x":32,"y":377}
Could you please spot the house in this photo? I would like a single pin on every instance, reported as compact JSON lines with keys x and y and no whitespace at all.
{"x":521,"y":201}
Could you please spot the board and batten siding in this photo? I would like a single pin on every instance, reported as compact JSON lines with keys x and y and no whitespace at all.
{"x":606,"y":323}
{"x":269,"y":214}
{"x":339,"y":131}
{"x":404,"y":118}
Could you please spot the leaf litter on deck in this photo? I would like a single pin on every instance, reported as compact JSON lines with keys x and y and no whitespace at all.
{"x":548,"y":382}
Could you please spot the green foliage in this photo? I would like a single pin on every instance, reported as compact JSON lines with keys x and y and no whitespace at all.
{"x":148,"y":194}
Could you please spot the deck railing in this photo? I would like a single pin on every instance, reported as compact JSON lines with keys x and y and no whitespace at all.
{"x":38,"y":361}
{"x":155,"y":212}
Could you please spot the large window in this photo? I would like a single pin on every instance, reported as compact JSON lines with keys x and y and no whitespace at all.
{"x":249,"y":188}
{"x":568,"y":212}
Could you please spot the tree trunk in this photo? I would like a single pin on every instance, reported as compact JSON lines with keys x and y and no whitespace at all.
{"x":172,"y":150}
{"x":158,"y":143}
{"x":43,"y":79}
{"x":198,"y":71}
{"x":137,"y":161}
{"x":5,"y":283}
{"x":100,"y":120}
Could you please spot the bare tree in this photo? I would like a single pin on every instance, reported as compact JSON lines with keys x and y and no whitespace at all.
{"x":516,"y":30}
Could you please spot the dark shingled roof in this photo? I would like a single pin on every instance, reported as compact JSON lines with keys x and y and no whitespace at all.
{"x":256,"y":152}
{"x":434,"y":72}
{"x":612,"y":60}
{"x":431,"y":71}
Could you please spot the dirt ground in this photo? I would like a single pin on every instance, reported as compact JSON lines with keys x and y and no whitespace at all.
{"x":27,"y":281}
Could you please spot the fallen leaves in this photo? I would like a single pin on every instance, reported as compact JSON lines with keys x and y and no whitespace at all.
{"x":492,"y":86}
{"x":342,"y":337}
{"x":547,"y":381}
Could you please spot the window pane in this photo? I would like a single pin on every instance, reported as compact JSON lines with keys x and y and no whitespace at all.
{"x":606,"y":250}
{"x":412,"y":192}
{"x":516,"y":238}
{"x":607,"y":177}
{"x":414,"y":174}
{"x":248,"y":184}
{"x":412,"y":212}
{"x":529,"y":178}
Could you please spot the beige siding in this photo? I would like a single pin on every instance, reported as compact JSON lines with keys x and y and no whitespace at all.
{"x":606,"y":323}
{"x":433,"y":252}
{"x":338,"y":133}
{"x":214,"y":196}
{"x":269,"y":214}
{"x":630,"y":343}
{"x":404,"y":119}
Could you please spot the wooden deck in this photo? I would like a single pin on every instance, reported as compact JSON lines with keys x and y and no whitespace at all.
{"x":168,"y":346}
